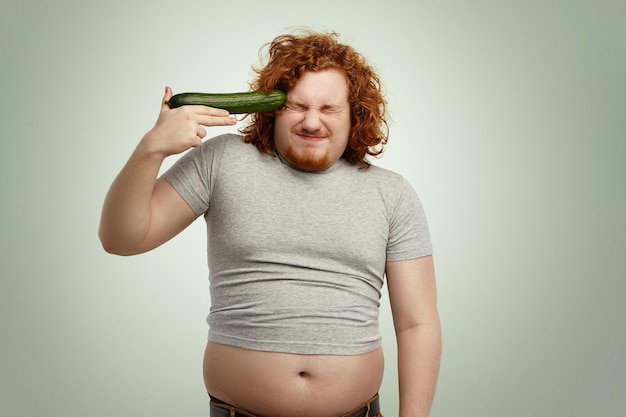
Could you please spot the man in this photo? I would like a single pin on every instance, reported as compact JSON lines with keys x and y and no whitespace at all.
{"x":301,"y":231}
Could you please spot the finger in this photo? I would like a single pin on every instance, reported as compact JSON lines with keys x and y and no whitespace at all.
{"x":168,"y":94}
{"x":207,"y":111}
{"x":216,"y":120}
{"x":201,"y":132}
{"x":197,"y":142}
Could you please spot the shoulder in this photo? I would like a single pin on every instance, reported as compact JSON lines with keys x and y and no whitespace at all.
{"x":377,"y":176}
{"x":385,"y":173}
{"x":221,"y":142}
{"x":226,"y":146}
{"x":392,"y":187}
{"x":230,"y":153}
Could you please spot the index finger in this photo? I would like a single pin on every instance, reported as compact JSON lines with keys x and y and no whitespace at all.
{"x":202,"y":110}
{"x":217,"y":117}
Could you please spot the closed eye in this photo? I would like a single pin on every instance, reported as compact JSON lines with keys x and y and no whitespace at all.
{"x":295,"y":107}
{"x":299,"y":108}
{"x":330,"y":109}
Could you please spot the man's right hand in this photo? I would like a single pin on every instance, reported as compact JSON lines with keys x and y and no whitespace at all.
{"x":177,"y":130}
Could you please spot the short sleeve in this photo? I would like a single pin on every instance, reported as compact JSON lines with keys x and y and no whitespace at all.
{"x":409,"y":235}
{"x":195,"y":173}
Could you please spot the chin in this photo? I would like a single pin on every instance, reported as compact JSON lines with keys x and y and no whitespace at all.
{"x":307,"y":161}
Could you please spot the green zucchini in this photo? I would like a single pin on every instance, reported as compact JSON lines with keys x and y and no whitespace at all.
{"x":235,"y":103}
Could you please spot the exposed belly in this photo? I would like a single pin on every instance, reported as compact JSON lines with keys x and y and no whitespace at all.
{"x":271,"y":384}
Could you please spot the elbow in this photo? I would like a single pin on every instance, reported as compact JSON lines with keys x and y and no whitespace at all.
{"x":115,"y":250}
{"x":112,"y":249}
{"x":431,"y":324}
{"x":113,"y":246}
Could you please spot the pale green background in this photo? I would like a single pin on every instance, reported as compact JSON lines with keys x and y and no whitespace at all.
{"x":509,"y":120}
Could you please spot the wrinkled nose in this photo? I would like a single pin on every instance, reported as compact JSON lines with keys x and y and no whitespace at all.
{"x":311,"y":120}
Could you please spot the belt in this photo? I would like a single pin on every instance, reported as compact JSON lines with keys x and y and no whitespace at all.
{"x":220,"y":409}
{"x":370,"y":409}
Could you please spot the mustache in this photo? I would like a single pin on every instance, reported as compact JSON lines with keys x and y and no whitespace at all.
{"x":306,"y":132}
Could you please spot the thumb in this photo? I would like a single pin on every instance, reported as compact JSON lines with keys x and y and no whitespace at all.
{"x":164,"y":103}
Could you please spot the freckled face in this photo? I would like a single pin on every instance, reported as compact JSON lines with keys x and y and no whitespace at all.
{"x":312,"y":130}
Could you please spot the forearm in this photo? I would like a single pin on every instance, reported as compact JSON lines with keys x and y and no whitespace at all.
{"x":125,"y":219}
{"x":419,"y":356}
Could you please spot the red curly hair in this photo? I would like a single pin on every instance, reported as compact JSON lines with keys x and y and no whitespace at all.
{"x":289,"y":56}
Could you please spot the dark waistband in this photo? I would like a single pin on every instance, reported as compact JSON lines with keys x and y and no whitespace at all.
{"x":220,"y":408}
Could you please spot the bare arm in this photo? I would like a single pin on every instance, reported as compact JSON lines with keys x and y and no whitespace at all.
{"x":141,"y":212}
{"x":412,"y":294}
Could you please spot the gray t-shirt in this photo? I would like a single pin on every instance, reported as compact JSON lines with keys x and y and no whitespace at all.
{"x":297,"y":259}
